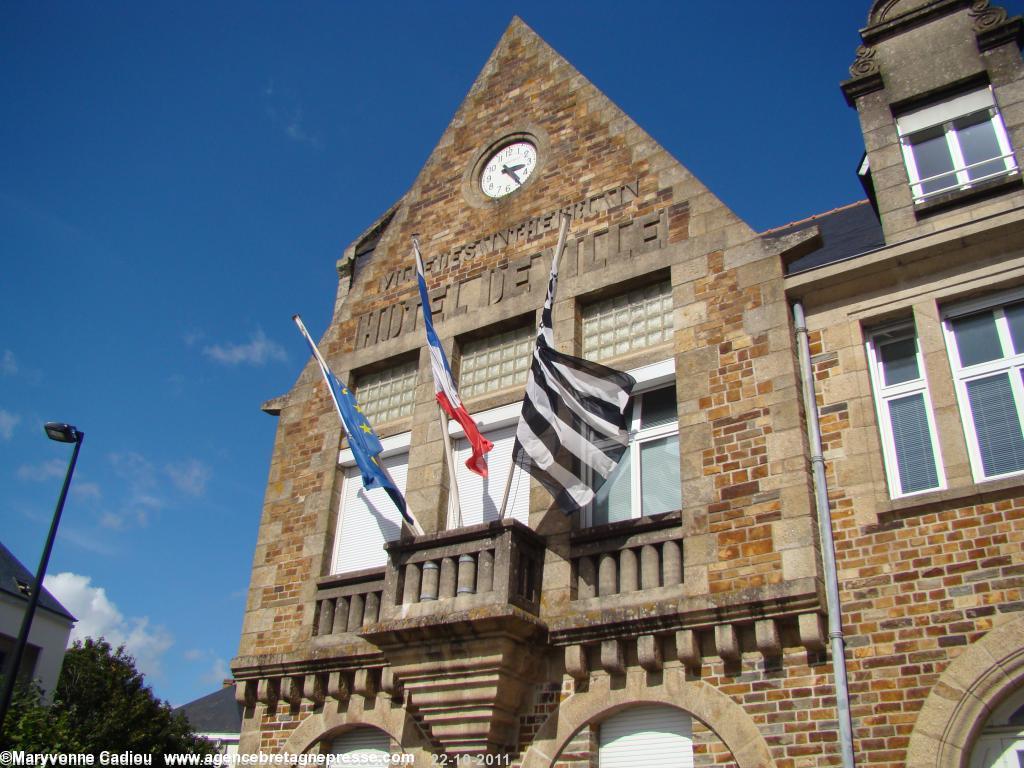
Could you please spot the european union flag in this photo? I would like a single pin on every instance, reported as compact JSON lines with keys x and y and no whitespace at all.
{"x":363,"y":441}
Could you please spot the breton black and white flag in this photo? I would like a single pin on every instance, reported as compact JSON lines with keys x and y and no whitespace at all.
{"x":572,"y":431}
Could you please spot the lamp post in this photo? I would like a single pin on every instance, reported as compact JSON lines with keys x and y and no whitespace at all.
{"x":62,"y":433}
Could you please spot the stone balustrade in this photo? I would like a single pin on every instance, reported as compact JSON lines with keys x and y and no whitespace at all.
{"x":627,"y":556}
{"x":347,"y":602}
{"x":480,"y":565}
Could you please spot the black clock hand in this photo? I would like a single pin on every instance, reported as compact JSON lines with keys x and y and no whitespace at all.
{"x":512,"y":172}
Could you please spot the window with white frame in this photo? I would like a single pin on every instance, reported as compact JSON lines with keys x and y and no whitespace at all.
{"x":480,"y":497}
{"x":904,"y":409}
{"x":955,"y":144}
{"x":986,"y":350}
{"x":388,"y":394}
{"x":633,"y":320}
{"x":496,"y":362}
{"x":646,"y":480}
{"x":367,"y":520}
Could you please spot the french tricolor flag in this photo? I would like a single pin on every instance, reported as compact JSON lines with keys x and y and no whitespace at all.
{"x":444,"y":385}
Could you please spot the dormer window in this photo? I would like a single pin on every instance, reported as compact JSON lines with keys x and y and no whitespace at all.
{"x":955,"y":145}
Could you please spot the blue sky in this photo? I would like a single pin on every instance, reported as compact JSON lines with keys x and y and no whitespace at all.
{"x":177,"y":179}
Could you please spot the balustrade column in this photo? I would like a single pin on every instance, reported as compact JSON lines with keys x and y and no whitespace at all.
{"x":629,"y":576}
{"x":467,"y":575}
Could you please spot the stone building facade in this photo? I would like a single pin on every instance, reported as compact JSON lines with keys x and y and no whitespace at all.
{"x":684,"y":618}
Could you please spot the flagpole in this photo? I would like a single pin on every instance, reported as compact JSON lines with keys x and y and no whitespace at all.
{"x":414,"y":526}
{"x":453,"y":490}
{"x":563,"y":231}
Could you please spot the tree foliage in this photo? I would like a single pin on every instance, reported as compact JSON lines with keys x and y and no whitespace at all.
{"x":101,"y":703}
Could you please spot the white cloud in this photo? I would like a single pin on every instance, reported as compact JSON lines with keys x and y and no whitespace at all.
{"x":86,"y":490}
{"x":7,"y":423}
{"x":258,"y":351}
{"x":189,"y":476}
{"x":217,"y":671}
{"x":42,"y":471}
{"x":8,"y":365}
{"x":99,"y":617}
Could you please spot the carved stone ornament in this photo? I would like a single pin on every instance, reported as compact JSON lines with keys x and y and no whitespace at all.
{"x":985,"y":16}
{"x":865,"y":63}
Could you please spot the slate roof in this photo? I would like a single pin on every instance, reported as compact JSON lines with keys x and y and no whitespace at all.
{"x":845,"y":232}
{"x":217,"y":712}
{"x":12,"y":571}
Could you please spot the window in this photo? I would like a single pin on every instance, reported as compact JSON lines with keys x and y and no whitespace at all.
{"x":954,"y":144}
{"x":480,"y":497}
{"x":497,"y":362}
{"x":647,"y":734}
{"x":986,"y":349}
{"x":367,"y":520}
{"x":646,"y":480}
{"x":904,"y":411}
{"x":629,"y":321}
{"x":387,"y":395}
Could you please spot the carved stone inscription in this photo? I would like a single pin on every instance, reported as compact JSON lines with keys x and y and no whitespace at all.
{"x":488,"y":287}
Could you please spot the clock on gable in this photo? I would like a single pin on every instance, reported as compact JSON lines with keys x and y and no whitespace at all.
{"x":508,"y":168}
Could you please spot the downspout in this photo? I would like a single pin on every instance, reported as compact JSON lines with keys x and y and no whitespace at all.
{"x":835,"y":619}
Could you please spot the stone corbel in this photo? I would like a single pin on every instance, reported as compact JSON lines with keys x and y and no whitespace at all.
{"x":268,"y":691}
{"x":363,"y":684}
{"x":648,"y":649}
{"x":313,"y":689}
{"x":727,"y":643}
{"x":390,"y":684}
{"x":812,"y":631}
{"x":768,"y":643}
{"x":613,"y":659}
{"x":688,"y":648}
{"x":576,"y":662}
{"x":337,"y":686}
{"x":291,"y":689}
{"x":245,"y":693}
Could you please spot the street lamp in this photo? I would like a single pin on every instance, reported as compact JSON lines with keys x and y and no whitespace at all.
{"x":62,"y":433}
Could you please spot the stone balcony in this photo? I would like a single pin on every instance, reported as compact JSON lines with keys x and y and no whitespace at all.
{"x":459,"y":628}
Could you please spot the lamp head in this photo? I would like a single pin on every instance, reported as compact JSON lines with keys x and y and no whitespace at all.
{"x":62,"y":433}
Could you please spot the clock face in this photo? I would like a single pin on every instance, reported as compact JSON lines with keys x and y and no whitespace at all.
{"x":508,"y":169}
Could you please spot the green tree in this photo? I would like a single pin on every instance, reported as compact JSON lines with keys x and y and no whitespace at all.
{"x":101,"y":702}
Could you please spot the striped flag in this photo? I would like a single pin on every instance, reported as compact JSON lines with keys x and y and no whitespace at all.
{"x":444,"y":385}
{"x":362,"y":440}
{"x":572,"y":431}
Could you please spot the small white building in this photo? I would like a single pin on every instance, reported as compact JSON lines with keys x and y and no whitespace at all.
{"x":217,"y":717}
{"x":51,"y":625}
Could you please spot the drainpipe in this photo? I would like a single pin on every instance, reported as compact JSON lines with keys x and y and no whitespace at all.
{"x":828,"y":557}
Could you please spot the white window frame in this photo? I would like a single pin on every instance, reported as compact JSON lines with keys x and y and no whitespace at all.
{"x":1012,"y":364}
{"x":487,"y":422}
{"x":393,"y":446}
{"x":946,"y":115}
{"x":885,"y":393}
{"x":648,"y":378}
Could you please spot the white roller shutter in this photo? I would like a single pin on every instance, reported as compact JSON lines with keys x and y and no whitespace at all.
{"x":364,"y":746}
{"x":480,"y":498}
{"x":369,"y":519}
{"x":649,"y":734}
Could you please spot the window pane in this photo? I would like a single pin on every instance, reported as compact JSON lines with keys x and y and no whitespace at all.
{"x":899,"y":361}
{"x":633,"y":320}
{"x":1015,"y":319}
{"x":915,"y":458}
{"x":495,"y":362}
{"x":977,"y":137}
{"x":996,"y":424}
{"x":659,"y":407}
{"x":659,"y":475}
{"x":976,"y":339}
{"x":613,"y":500}
{"x":387,"y":395}
{"x":932,"y":157}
